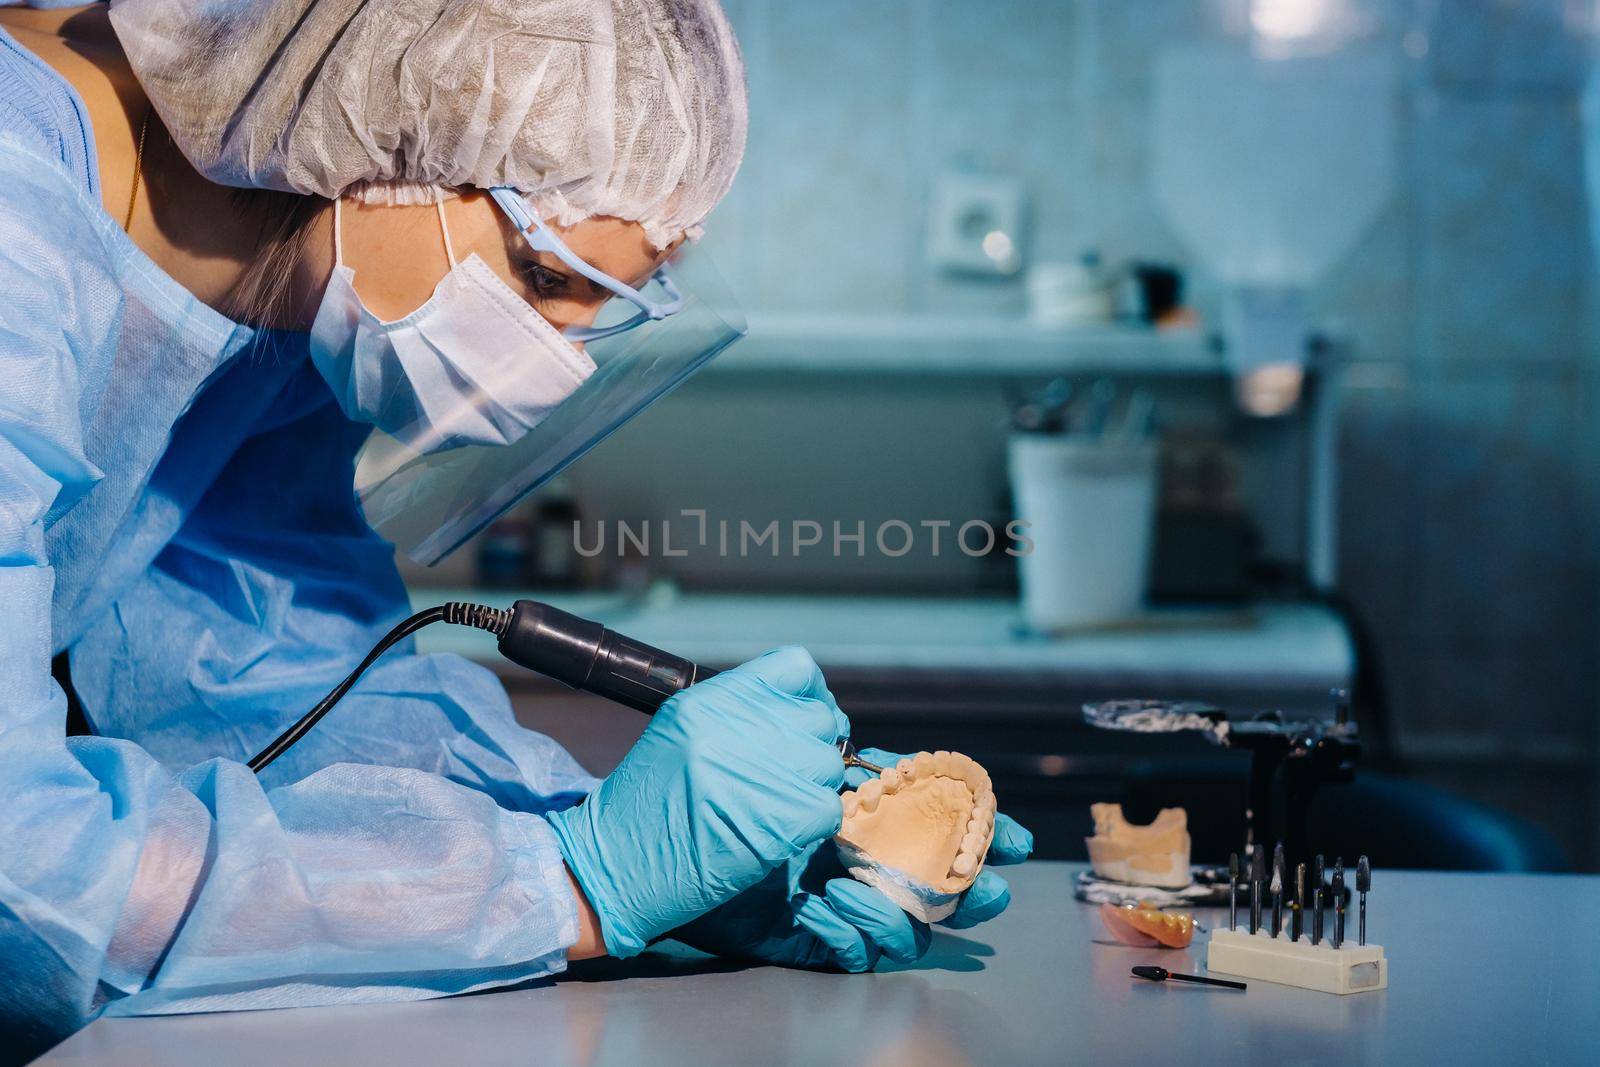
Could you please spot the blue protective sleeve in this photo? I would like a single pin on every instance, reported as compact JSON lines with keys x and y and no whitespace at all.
{"x":128,"y":888}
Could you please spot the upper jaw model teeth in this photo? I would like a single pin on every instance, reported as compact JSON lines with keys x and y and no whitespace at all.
{"x":920,"y":830}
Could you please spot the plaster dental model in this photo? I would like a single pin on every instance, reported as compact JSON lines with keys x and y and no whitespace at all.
{"x":1147,"y":927}
{"x":919,"y":831}
{"x":1157,"y":854}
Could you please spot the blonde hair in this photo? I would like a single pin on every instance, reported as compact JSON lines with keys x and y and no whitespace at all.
{"x":264,"y":294}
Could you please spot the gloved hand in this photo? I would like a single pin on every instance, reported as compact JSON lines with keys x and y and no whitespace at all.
{"x":733,"y":777}
{"x":810,"y":913}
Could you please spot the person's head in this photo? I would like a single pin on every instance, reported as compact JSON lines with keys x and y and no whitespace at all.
{"x":622,"y":123}
{"x":399,"y":254}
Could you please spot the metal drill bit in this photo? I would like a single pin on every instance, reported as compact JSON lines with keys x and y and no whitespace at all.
{"x":1338,"y":902}
{"x":1316,"y":900}
{"x":1233,"y":891}
{"x":1258,"y":875}
{"x":1277,"y":889}
{"x":1298,"y":916}
{"x":1363,"y":883}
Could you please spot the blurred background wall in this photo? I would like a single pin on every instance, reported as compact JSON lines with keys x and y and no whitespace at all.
{"x":1467,"y":438}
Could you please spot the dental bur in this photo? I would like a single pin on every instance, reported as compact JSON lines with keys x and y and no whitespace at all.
{"x":1363,"y":883}
{"x":1316,"y":901}
{"x":1334,"y":965}
{"x":1233,"y":891}
{"x":1258,"y":875}
{"x":1338,"y":902}
{"x":1297,"y":918}
{"x":1161,"y":974}
{"x":1277,"y":889}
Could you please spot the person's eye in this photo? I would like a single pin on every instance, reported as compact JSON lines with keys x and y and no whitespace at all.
{"x":546,"y":284}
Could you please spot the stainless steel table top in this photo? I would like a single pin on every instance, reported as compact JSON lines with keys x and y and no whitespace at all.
{"x":1483,"y":968}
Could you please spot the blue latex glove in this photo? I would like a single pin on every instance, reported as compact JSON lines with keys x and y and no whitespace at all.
{"x":732,"y":778}
{"x":810,"y":913}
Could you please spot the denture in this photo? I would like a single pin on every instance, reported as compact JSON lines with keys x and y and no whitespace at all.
{"x":919,"y":831}
{"x":1147,"y":926}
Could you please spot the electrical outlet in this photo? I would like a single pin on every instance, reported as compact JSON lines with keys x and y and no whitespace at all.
{"x":976,"y":224}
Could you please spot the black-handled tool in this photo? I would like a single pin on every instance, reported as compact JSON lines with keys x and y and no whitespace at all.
{"x":558,"y":644}
{"x":585,"y":655}
{"x":1316,"y":900}
{"x":1277,"y":889}
{"x":1298,"y":916}
{"x":1161,"y":974}
{"x":1233,"y":891}
{"x":1338,"y":902}
{"x":1363,"y":884}
{"x":1258,"y":875}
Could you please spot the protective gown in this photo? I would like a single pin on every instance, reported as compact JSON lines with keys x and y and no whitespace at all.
{"x":176,"y":515}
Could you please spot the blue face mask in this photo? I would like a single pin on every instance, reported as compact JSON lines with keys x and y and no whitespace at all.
{"x":476,"y":364}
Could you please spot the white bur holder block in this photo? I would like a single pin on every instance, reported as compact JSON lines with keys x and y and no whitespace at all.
{"x":1351,"y":968}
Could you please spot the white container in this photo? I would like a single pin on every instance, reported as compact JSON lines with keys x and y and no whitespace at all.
{"x":1090,"y":505}
{"x":1069,"y":295}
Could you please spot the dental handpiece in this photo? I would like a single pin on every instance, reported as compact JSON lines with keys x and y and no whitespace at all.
{"x":577,"y":652}
{"x":586,"y":655}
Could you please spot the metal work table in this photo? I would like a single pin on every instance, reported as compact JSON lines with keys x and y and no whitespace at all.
{"x":1483,"y":969}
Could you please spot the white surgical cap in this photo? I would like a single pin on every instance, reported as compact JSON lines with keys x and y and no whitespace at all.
{"x":629,"y":108}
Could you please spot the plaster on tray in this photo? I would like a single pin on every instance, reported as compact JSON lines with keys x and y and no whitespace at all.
{"x":1156,"y":854}
{"x":1158,"y":717}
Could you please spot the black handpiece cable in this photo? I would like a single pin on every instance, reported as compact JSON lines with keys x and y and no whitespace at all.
{"x":583,"y":654}
{"x":484,"y":618}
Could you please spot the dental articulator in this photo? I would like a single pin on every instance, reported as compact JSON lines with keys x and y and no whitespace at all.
{"x":1277,"y":931}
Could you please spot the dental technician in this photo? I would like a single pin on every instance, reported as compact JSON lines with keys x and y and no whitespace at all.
{"x":237,"y":239}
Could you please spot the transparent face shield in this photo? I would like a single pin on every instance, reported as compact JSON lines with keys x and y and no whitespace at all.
{"x":429,"y":496}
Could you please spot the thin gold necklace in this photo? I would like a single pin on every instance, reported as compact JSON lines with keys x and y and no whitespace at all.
{"x":138,"y":169}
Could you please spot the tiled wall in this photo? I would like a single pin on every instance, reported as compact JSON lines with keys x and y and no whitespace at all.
{"x":1470,"y":443}
{"x":856,"y":107}
{"x":1469,"y":439}
{"x":1468,"y":501}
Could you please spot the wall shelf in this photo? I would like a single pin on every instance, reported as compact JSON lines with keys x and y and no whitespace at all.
{"x":912,"y":344}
